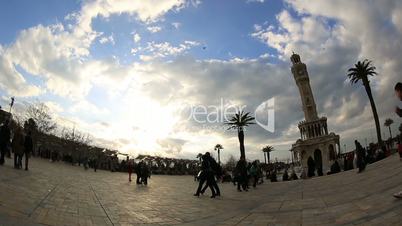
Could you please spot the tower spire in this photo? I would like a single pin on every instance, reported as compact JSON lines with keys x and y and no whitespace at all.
{"x":300,"y":74}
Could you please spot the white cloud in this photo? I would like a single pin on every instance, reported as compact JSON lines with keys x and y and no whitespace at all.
{"x":176,"y":25}
{"x":58,"y":54}
{"x":54,"y":108}
{"x":136,"y":37}
{"x":85,"y":107}
{"x":13,"y":82}
{"x":108,"y":39}
{"x":259,"y":1}
{"x":164,"y":49}
{"x":154,"y":29}
{"x":327,"y":37}
{"x":257,"y":27}
{"x":145,"y":11}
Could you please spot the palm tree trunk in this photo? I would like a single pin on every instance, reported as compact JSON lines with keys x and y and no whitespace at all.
{"x":374,"y":109}
{"x":390,"y":133}
{"x":241,"y":141}
{"x":219,"y":156}
{"x":268,"y":157}
{"x":265,"y":158}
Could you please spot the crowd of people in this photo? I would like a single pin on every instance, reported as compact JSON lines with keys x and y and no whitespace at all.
{"x":143,"y":173}
{"x":244,"y":175}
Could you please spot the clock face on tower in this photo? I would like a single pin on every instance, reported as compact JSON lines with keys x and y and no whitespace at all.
{"x":300,"y":72}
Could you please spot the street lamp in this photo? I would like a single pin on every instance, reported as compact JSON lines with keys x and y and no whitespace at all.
{"x":11,"y":104}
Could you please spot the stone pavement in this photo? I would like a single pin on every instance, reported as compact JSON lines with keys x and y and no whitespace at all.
{"x":60,"y":194}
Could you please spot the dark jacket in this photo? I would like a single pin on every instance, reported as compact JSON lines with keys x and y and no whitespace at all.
{"x":241,"y":168}
{"x":4,"y":136}
{"x":28,"y":144}
{"x":18,"y":143}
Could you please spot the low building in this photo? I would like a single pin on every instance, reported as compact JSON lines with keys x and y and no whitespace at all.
{"x":4,"y":116}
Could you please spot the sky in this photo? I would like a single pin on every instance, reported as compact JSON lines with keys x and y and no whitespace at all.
{"x":155,"y":77}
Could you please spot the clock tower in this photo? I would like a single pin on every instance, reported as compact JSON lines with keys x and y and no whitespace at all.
{"x":315,"y":142}
{"x":300,"y":74}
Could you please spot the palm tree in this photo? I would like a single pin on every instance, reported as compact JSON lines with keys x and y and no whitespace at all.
{"x":240,"y":120}
{"x":360,"y":72}
{"x":218,"y":148}
{"x":388,"y":122}
{"x":267,"y":149}
{"x":265,"y":156}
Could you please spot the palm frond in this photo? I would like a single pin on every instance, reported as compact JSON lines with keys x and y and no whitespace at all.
{"x":361,"y":71}
{"x":240,"y":120}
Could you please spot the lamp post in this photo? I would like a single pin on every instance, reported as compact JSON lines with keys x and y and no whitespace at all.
{"x":11,"y":104}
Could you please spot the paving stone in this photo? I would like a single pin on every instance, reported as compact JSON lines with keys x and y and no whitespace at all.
{"x":61,"y":194}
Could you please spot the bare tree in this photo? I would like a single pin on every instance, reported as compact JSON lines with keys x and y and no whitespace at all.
{"x":78,"y":143}
{"x":76,"y":136}
{"x":40,"y":113}
{"x":231,"y":163}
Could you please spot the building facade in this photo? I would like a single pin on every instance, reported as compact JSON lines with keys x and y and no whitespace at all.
{"x":315,"y":140}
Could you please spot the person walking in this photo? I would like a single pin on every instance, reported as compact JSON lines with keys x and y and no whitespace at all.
{"x":253,"y":173}
{"x":216,"y":171}
{"x":360,"y":157}
{"x":4,"y":140}
{"x":18,"y":148}
{"x":241,"y":174}
{"x":138,"y":172}
{"x":145,"y":173}
{"x":95,"y":162}
{"x":28,"y":148}
{"x":398,"y":111}
{"x":205,"y":176}
{"x":129,"y":168}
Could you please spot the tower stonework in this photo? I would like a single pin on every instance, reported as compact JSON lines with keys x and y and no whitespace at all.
{"x":300,"y":74}
{"x":315,"y":141}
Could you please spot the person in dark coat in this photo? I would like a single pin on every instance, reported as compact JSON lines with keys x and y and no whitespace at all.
{"x":4,"y":140}
{"x":274,"y":177}
{"x":398,"y":111}
{"x":241,"y":175}
{"x":138,"y":169}
{"x":216,"y":172}
{"x":285,"y":176}
{"x":18,"y":148}
{"x":311,"y":167}
{"x":335,"y":168}
{"x":205,"y":176}
{"x":129,"y":168}
{"x":28,"y":148}
{"x":360,"y":157}
{"x":145,"y":173}
{"x":254,"y":173}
